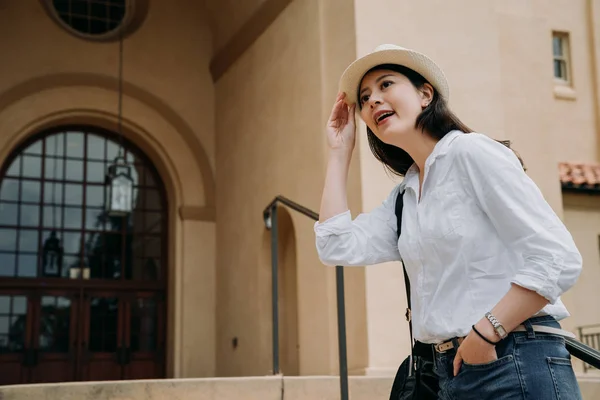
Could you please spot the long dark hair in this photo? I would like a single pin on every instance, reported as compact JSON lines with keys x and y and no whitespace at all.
{"x":436,"y":119}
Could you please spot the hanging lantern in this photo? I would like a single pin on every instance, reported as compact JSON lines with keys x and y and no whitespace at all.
{"x":119,"y":193}
{"x":52,"y":255}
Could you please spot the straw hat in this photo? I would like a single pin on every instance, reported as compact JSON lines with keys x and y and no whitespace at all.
{"x":392,"y":54}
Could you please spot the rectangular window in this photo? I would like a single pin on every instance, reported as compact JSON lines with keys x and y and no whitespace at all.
{"x":560,"y":52}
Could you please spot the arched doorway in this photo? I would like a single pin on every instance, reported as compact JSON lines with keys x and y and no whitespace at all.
{"x":82,"y":293}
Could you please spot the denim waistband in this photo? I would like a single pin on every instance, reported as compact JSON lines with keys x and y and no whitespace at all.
{"x":427,"y":350}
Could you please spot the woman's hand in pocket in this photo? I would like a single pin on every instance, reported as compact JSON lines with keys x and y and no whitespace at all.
{"x":474,"y":350}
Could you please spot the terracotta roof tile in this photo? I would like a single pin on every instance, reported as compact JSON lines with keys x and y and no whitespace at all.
{"x":579,"y":175}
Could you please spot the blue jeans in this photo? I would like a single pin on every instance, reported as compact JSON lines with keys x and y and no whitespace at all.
{"x":530,"y":366}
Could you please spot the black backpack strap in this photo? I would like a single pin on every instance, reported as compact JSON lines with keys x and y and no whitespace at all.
{"x":398,"y":211}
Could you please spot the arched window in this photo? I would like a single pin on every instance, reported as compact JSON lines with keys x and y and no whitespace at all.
{"x":53,"y":219}
{"x":82,"y":290}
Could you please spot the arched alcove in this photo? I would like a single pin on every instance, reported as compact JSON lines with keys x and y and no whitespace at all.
{"x":289,"y":349}
{"x":91,"y":285}
{"x":181,"y":161}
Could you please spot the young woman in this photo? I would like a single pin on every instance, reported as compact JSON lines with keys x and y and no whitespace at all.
{"x":486,"y":256}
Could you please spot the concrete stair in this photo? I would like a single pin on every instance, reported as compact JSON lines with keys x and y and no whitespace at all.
{"x":246,"y":388}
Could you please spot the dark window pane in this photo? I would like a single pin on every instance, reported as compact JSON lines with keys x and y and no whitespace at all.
{"x":94,"y":218}
{"x":53,"y":193}
{"x":73,"y":218}
{"x":98,"y":27}
{"x":80,"y":7}
{"x":15,"y":167}
{"x":4,"y":305}
{"x":27,"y":266}
{"x":55,"y":145}
{"x":71,"y":264}
{"x":557,"y":46}
{"x":4,"y":324}
{"x":557,"y":69}
{"x":112,"y":150}
{"x":104,"y":313}
{"x":143,"y":325}
{"x":73,"y":194}
{"x":151,"y":269}
{"x":75,"y":144}
{"x":95,"y":147}
{"x":153,"y":222}
{"x":31,"y":191}
{"x":74,"y":170}
{"x":8,"y":240}
{"x":151,"y":199}
{"x":96,"y":341}
{"x":32,"y":167}
{"x":19,"y":305}
{"x":55,"y":325}
{"x":116,"y":15}
{"x":99,"y":10}
{"x":28,"y":240}
{"x":53,"y":216}
{"x":96,"y":172}
{"x":54,"y":169}
{"x":10,"y":190}
{"x":152,"y":246}
{"x":29,"y":215}
{"x":7,"y":264}
{"x":95,"y":196}
{"x":35,"y":148}
{"x":71,"y":242}
{"x":8,"y":214}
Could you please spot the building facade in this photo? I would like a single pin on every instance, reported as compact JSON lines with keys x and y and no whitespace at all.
{"x":216,"y":107}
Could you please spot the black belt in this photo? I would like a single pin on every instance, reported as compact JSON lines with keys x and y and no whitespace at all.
{"x":423,"y":350}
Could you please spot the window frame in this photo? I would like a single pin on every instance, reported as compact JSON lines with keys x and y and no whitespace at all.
{"x":564,"y":58}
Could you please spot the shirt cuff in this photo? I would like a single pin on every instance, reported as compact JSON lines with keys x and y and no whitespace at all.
{"x":544,"y":286}
{"x":338,"y":224}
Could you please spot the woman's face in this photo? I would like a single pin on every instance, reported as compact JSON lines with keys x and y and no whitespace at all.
{"x":390,"y":104}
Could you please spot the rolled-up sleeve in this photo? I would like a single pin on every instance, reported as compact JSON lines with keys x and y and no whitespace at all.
{"x":551,"y":262}
{"x":370,"y":238}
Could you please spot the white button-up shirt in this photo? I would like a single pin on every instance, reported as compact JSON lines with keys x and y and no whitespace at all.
{"x":480,"y":225}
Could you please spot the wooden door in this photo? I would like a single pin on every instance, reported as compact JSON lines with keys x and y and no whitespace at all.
{"x":102,"y":349}
{"x":123,"y":336}
{"x":15,"y":335}
{"x":144,"y":336}
{"x":54,"y":340}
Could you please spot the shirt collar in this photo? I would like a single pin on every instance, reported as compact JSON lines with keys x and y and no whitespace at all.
{"x":441,"y":148}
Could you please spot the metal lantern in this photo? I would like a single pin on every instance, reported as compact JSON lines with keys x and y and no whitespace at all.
{"x":52,"y":255}
{"x":119,"y":193}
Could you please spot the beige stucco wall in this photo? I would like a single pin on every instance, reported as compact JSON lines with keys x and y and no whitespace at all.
{"x":574,"y":116}
{"x":225,"y":24}
{"x":582,"y":218}
{"x":270,"y":141}
{"x":53,"y":77}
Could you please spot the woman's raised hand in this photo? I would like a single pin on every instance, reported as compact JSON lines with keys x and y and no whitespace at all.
{"x":341,"y":127}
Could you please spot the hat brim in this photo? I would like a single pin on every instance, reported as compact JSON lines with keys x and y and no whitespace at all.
{"x":353,"y":75}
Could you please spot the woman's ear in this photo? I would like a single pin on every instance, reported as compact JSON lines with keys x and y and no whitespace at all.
{"x":426,"y":94}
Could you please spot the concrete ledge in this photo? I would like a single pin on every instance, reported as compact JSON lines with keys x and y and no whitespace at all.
{"x":267,"y":388}
{"x":248,"y":388}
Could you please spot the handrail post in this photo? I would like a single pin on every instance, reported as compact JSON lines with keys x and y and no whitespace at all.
{"x":274,"y":287}
{"x":270,"y":219}
{"x":341,"y":316}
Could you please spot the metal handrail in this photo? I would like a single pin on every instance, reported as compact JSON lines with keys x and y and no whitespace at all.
{"x":270,"y":219}
{"x":589,"y":326}
{"x":291,"y":204}
{"x":591,"y":339}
